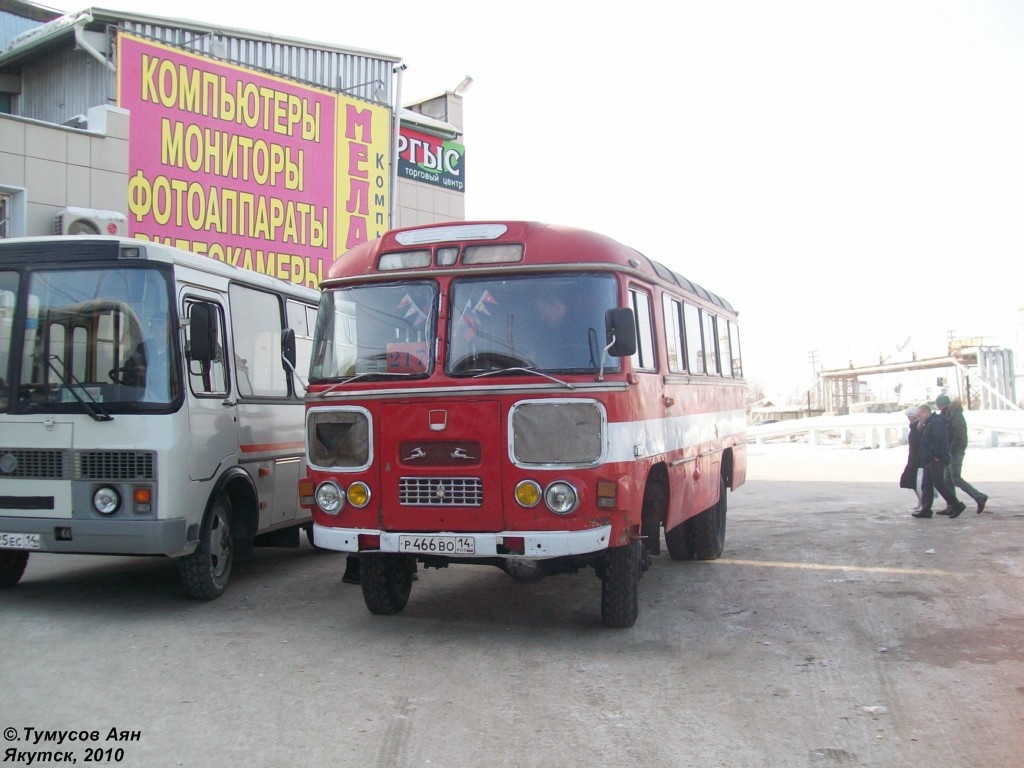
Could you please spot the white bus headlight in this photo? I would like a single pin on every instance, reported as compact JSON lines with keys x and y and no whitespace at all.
{"x":106,"y":500}
{"x":561,"y":497}
{"x":329,"y":498}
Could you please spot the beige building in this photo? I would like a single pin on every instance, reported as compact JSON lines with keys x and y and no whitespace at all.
{"x":421,"y":202}
{"x":78,"y":153}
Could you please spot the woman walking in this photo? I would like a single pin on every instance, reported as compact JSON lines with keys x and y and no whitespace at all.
{"x":911,"y":477}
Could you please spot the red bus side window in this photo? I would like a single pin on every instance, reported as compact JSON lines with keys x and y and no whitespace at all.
{"x":710,"y":345}
{"x":674,"y":346}
{"x":644,"y":357}
{"x":694,"y":340}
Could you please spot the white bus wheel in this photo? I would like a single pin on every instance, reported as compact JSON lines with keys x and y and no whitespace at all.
{"x":12,"y":565}
{"x":205,"y":573}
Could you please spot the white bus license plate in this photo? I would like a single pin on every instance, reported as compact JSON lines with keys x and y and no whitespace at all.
{"x":19,"y":541}
{"x":437,"y":545}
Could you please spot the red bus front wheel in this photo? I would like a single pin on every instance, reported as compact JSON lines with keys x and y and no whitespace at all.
{"x":620,"y":585}
{"x":386,"y":581}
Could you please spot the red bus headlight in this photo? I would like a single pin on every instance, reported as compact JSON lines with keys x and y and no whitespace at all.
{"x":330,"y":498}
{"x":561,"y":497}
{"x":358,"y":495}
{"x":528,"y":493}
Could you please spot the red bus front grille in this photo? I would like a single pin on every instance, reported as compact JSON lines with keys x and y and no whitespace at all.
{"x":440,"y":492}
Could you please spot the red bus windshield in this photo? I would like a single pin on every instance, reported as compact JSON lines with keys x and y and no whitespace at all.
{"x":553,"y":323}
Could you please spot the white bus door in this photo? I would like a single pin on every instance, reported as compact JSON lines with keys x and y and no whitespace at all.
{"x":213,"y":421}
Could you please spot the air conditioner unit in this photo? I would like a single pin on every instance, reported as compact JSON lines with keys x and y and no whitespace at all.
{"x":90,"y":221}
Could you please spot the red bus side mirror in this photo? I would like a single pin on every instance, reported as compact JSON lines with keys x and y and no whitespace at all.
{"x":620,"y":331}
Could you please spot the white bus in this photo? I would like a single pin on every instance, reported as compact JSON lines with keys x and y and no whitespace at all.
{"x":148,"y":406}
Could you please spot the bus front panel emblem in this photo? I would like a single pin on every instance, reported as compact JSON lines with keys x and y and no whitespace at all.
{"x":438,"y":420}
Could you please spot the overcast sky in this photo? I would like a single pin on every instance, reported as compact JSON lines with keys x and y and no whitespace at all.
{"x":848,"y":174}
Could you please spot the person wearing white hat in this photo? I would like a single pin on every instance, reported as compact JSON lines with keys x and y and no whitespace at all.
{"x":911,"y":477}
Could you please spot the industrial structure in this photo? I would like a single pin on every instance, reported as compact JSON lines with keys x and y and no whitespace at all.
{"x":981,"y":375}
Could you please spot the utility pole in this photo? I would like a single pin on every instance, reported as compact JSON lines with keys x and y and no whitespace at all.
{"x":813,"y":357}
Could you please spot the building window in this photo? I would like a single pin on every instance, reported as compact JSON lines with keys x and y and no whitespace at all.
{"x":12,"y":211}
{"x":5,"y":215}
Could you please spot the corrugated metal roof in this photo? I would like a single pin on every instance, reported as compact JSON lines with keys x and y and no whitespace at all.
{"x":11,"y":26}
{"x":355,"y":72}
{"x":201,"y":28}
{"x":18,"y":17}
{"x":27,"y":10}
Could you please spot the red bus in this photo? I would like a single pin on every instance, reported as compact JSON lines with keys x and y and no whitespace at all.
{"x":533,"y":397}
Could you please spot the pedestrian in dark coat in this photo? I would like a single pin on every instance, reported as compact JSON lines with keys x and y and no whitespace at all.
{"x":911,"y":477}
{"x":953,"y":412}
{"x":934,"y":459}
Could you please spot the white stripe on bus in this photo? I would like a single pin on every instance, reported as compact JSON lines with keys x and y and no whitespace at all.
{"x":629,"y":440}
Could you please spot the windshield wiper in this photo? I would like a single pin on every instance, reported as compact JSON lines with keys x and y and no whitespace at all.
{"x":97,"y":413}
{"x":534,"y":371}
{"x":365,"y":375}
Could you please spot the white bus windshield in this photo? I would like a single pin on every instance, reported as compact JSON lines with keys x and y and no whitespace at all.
{"x":101,"y":339}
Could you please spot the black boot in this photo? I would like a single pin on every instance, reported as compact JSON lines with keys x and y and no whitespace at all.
{"x":351,"y":575}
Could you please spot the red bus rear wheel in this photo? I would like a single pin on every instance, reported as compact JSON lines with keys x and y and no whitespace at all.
{"x":708,"y":528}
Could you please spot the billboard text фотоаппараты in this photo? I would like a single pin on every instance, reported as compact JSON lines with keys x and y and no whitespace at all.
{"x":247,"y":168}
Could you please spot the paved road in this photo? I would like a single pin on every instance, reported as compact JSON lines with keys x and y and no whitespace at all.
{"x":835,"y":631}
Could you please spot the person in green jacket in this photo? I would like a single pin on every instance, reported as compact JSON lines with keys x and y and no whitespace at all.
{"x":953,"y":412}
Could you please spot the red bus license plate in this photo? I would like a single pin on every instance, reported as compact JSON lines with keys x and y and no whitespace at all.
{"x":437,"y":545}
